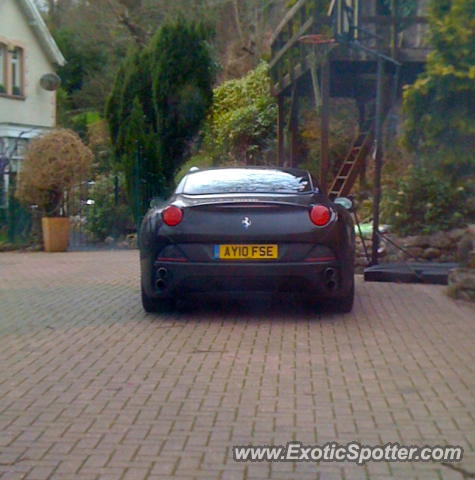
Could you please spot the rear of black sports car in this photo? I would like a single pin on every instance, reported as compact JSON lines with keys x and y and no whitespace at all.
{"x":247,"y":229}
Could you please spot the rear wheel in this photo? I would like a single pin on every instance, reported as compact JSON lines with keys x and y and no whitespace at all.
{"x":152,"y":305}
{"x":345,"y":304}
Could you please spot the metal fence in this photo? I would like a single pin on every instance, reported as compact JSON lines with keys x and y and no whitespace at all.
{"x":15,"y":220}
{"x":21,"y":225}
{"x":77,"y":204}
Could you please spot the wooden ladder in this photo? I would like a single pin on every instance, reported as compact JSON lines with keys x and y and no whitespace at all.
{"x":353,"y":163}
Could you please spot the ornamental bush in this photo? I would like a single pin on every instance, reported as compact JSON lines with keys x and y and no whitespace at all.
{"x":440,"y":106}
{"x":54,"y":163}
{"x":108,"y":215}
{"x":241,"y":126}
{"x":424,"y":203}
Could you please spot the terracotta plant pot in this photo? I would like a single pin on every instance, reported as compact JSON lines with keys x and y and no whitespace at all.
{"x":55,"y":234}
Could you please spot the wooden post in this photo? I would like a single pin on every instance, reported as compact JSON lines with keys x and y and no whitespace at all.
{"x":362,"y":129}
{"x":280,"y":130}
{"x":356,"y":9}
{"x":378,"y":160}
{"x":394,"y":26}
{"x":339,"y":21}
{"x":325,"y":125}
{"x":315,"y":84}
{"x":293,"y":128}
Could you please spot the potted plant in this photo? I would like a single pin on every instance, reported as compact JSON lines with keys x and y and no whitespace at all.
{"x":53,"y":164}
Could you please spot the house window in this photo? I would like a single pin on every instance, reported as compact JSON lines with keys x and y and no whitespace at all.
{"x":3,"y":68}
{"x":11,"y":71}
{"x":17,"y":71}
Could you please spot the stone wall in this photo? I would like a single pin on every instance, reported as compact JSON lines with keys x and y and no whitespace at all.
{"x":456,"y":246}
{"x":438,"y":247}
{"x":462,"y":280}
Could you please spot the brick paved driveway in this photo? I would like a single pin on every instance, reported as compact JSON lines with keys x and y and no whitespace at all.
{"x":91,"y":387}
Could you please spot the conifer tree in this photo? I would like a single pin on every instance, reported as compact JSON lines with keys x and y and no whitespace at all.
{"x":159,"y":101}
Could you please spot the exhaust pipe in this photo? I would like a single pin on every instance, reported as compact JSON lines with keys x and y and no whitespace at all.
{"x":161,"y":282}
{"x":161,"y":285}
{"x":331,"y":278}
{"x":162,"y":273}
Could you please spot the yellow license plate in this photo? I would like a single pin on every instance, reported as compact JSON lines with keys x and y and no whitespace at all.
{"x":246,"y":252}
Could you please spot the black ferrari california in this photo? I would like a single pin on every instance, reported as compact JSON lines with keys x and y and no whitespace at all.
{"x":251,"y":229}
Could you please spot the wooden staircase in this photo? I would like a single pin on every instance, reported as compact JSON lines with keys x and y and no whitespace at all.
{"x":366,"y":50}
{"x":353,"y":163}
{"x":357,"y":156}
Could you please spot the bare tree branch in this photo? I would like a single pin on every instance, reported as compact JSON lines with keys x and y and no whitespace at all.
{"x":237,"y":18}
{"x":122,"y":15}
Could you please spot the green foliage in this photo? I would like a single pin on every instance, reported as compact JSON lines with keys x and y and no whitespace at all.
{"x":198,"y":160}
{"x":242,"y":123}
{"x":320,"y":7}
{"x":405,"y":7}
{"x":425,"y":203}
{"x":440,"y":106}
{"x":158,"y":103}
{"x":81,"y":122}
{"x":343,"y":117}
{"x":83,"y":57}
{"x":108,"y":216}
{"x":182,"y":79}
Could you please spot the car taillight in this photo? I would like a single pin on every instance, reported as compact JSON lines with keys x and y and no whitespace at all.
{"x":172,"y":216}
{"x":320,"y":215}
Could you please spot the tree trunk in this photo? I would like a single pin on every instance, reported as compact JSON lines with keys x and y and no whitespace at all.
{"x":237,"y":18}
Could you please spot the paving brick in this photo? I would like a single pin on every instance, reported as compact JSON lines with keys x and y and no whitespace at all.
{"x":93,"y":388}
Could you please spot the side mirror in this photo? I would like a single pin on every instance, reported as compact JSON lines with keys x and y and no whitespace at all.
{"x":346,"y":203}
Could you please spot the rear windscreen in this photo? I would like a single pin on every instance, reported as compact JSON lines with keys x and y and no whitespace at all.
{"x":235,"y":180}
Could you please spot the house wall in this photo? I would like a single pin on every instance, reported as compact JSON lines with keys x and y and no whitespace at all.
{"x":370,"y":7}
{"x":413,"y":36}
{"x":38,"y":108}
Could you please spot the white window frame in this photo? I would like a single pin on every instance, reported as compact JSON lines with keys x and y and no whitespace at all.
{"x":17,"y":80}
{"x":3,"y":67}
{"x":12,"y":70}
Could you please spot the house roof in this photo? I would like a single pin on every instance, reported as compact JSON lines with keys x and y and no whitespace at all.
{"x":44,"y":36}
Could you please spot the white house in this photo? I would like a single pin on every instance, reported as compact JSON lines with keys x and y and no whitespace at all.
{"x":28,"y":59}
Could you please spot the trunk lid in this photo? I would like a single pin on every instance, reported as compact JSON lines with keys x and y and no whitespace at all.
{"x":247,"y":219}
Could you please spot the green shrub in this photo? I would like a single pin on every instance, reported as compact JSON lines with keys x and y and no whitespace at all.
{"x":198,"y":160}
{"x":342,"y":131}
{"x":158,"y":104}
{"x":106,"y":217}
{"x":439,"y":108}
{"x":242,"y":123}
{"x":423,"y":202}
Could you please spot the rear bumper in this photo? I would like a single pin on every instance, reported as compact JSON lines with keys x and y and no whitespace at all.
{"x":171,"y":279}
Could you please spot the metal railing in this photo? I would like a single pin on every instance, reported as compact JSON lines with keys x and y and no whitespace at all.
{"x":290,"y":56}
{"x":403,"y":37}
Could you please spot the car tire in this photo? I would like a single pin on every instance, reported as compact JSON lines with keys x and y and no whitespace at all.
{"x":345,"y":304}
{"x":155,"y":305}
